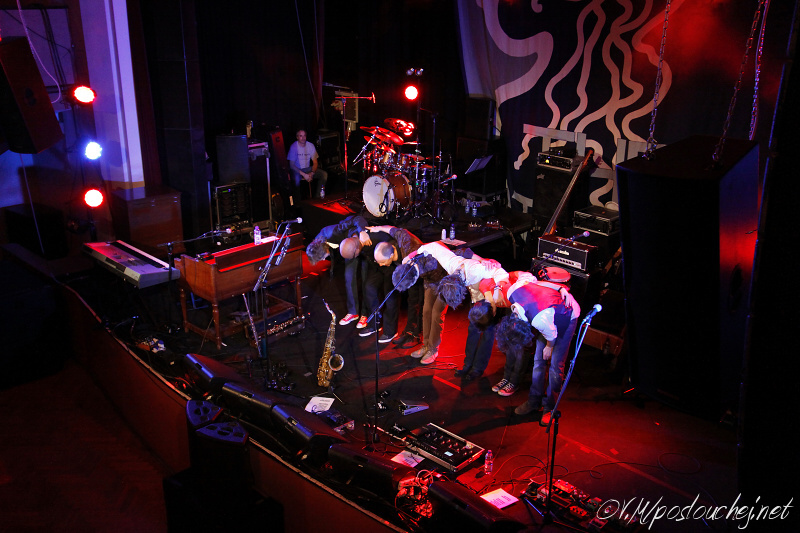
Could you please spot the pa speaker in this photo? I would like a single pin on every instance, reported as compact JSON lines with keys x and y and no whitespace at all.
{"x":367,"y":469}
{"x":309,"y":434}
{"x":207,"y":374}
{"x":688,"y":230}
{"x":242,"y":400}
{"x":233,"y":159}
{"x":458,"y":508}
{"x":27,"y":117}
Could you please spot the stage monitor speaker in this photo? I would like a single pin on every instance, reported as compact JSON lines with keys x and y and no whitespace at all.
{"x":459,"y":508}
{"x":27,"y":118}
{"x":233,"y":159}
{"x":310,"y":435}
{"x":688,"y":231}
{"x":200,"y":413}
{"x":209,"y":375}
{"x":550,"y":187}
{"x":242,"y":400}
{"x":363,"y":468}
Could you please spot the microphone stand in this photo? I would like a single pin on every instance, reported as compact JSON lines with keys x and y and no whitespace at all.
{"x":262,"y":347}
{"x":374,"y":319}
{"x":345,"y":138}
{"x":555,"y":415}
{"x":170,"y":256}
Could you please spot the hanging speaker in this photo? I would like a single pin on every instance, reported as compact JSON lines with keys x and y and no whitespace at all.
{"x":27,"y":117}
{"x":688,"y":231}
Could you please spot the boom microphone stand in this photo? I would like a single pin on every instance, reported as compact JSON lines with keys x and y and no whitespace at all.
{"x":555,"y":415}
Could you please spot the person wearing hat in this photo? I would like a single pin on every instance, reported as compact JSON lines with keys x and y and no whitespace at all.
{"x":348,"y":236}
{"x":552,"y":311}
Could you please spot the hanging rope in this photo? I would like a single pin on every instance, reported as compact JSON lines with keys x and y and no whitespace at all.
{"x":721,"y":143}
{"x":651,"y":140}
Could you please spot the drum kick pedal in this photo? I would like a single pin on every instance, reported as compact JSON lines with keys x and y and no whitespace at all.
{"x":407,"y":408}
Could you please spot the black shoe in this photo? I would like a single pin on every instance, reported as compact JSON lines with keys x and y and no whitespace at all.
{"x":405,"y":338}
{"x":473,"y":375}
{"x":462,"y":373}
{"x":386,"y":338}
{"x":366,"y":332}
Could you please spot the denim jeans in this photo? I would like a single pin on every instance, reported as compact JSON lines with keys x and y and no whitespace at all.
{"x":555,"y":372}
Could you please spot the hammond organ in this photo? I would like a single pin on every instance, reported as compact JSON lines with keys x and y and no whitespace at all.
{"x":234,"y":272}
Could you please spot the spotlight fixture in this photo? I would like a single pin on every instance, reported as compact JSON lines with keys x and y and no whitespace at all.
{"x":83,"y":94}
{"x":415,"y":72}
{"x":411,"y":92}
{"x":93,"y":150}
{"x":93,"y":197}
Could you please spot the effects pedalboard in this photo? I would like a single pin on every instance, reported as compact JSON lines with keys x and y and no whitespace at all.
{"x":574,"y":505}
{"x":443,"y":448}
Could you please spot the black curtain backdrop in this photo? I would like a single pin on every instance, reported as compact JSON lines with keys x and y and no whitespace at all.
{"x":253,"y":65}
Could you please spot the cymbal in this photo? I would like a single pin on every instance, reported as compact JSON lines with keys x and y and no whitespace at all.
{"x":400,"y":126}
{"x":391,"y":136}
{"x":378,"y":143}
{"x":415,"y":157}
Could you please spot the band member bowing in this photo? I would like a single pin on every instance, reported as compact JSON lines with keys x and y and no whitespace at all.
{"x":463,"y":276}
{"x":390,"y":246}
{"x":348,"y":236}
{"x":553,"y":313}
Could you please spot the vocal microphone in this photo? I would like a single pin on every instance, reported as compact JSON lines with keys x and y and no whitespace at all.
{"x":297,"y":220}
{"x":590,"y":315}
{"x":579,"y":235}
{"x":222,"y":231}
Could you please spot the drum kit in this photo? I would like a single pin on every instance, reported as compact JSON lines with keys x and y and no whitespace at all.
{"x":399,"y":183}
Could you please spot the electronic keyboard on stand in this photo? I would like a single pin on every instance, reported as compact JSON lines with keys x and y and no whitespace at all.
{"x":131,"y":264}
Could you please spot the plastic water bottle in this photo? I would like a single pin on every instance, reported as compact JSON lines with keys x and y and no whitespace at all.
{"x":322,"y":192}
{"x":452,"y":232}
{"x":475,"y":209}
{"x":444,"y":234}
{"x":488,"y":462}
{"x":257,"y":235}
{"x":467,"y":205}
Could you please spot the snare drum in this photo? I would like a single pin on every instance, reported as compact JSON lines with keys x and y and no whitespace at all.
{"x":382,"y":194}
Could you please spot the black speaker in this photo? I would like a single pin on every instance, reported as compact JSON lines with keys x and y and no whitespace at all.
{"x":242,"y":400}
{"x":27,"y":117}
{"x":363,"y":468}
{"x":549,"y":189}
{"x":233,"y":159}
{"x":207,"y":374}
{"x":458,"y":508}
{"x":309,"y":434}
{"x":688,"y":230}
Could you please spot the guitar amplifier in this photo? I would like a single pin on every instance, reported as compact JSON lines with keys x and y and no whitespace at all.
{"x":597,"y":219}
{"x":577,"y":255}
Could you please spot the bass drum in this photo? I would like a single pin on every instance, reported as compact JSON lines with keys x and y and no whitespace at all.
{"x":382,"y":194}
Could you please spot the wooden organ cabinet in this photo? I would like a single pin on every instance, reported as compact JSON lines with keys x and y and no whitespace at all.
{"x":231,"y":273}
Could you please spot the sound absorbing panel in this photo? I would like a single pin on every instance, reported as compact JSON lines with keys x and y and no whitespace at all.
{"x":27,"y":117}
{"x":688,"y":238}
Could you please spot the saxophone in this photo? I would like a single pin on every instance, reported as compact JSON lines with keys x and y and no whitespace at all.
{"x":330,"y":362}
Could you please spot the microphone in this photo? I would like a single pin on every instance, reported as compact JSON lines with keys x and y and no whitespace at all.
{"x":297,"y":220}
{"x":590,"y":315}
{"x":579,"y":235}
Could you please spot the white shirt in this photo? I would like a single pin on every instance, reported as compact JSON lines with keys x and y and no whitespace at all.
{"x":473,"y":270}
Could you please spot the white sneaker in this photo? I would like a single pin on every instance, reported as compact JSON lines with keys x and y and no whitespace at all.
{"x":429,"y":358}
{"x":419,"y":352}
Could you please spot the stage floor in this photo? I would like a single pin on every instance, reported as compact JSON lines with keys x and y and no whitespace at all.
{"x":612,"y":443}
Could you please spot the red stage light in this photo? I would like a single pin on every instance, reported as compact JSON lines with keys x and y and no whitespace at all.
{"x":93,"y":197}
{"x":411,"y":92}
{"x":84,"y":94}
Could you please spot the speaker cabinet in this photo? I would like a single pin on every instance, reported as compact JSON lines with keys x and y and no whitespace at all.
{"x":242,"y":400}
{"x":27,"y":117}
{"x":233,"y":159}
{"x":375,"y":472}
{"x":458,"y":508}
{"x":209,"y":375}
{"x":309,"y":434}
{"x":688,"y":231}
